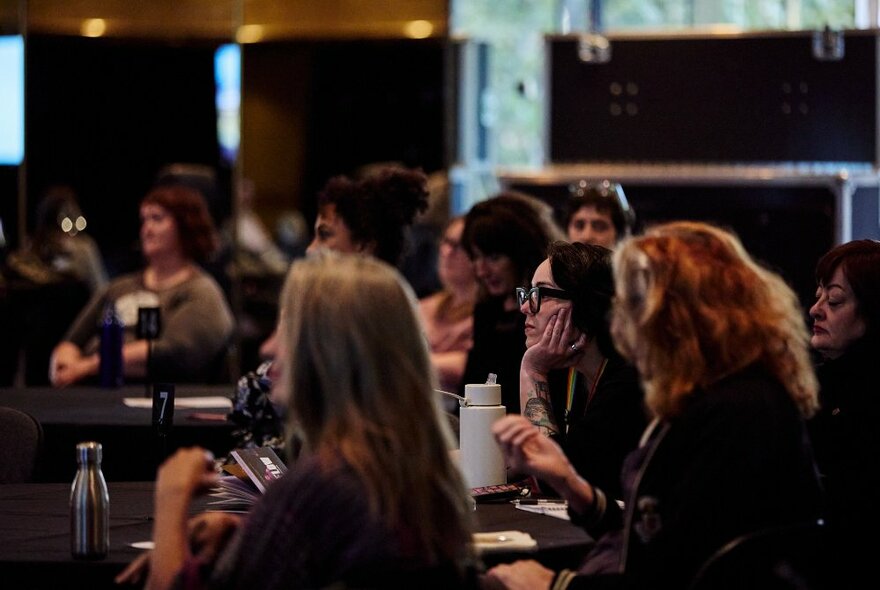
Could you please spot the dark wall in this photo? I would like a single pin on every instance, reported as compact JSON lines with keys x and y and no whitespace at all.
{"x":343,"y":104}
{"x":376,"y":101}
{"x":105,"y":116}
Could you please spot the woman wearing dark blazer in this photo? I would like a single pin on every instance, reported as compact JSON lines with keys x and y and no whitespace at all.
{"x":845,"y":433}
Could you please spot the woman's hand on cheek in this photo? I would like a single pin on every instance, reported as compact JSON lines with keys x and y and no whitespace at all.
{"x":561,"y":345}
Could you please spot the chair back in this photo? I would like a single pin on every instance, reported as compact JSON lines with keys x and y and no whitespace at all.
{"x":21,"y":441}
{"x":776,"y":558}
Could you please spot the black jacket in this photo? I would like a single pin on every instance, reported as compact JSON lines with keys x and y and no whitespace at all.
{"x":737,"y":459}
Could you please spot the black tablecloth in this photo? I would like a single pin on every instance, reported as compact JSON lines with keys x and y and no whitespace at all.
{"x":35,"y":533}
{"x":131,"y":447}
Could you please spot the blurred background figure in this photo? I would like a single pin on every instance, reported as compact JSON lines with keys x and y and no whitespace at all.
{"x":257,"y":265}
{"x":598,"y":213}
{"x":846,"y":336}
{"x":256,"y":252}
{"x":506,"y":238}
{"x":420,"y":260}
{"x":292,"y":233}
{"x":374,"y":499}
{"x":176,"y":235}
{"x":60,"y":239}
{"x":50,"y":279}
{"x":447,"y":315}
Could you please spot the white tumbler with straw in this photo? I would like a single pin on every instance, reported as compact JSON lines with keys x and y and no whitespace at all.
{"x":482,"y":461}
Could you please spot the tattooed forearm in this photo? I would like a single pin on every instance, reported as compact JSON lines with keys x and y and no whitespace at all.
{"x":539,"y":389}
{"x":539,"y":413}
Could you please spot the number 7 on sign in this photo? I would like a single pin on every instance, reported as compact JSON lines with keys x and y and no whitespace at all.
{"x":163,"y":405}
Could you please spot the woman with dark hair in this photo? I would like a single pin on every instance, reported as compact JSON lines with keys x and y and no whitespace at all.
{"x":60,"y":242}
{"x":177,"y":235}
{"x":846,"y":335}
{"x":573,"y":384}
{"x":49,"y":280}
{"x":371,"y":215}
{"x":506,"y":237}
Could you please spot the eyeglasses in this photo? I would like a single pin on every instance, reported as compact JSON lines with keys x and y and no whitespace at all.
{"x":535,"y":294}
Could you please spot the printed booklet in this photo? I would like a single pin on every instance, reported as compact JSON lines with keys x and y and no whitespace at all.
{"x":253,"y":470}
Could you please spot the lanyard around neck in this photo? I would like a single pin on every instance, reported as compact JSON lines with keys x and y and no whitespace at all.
{"x":572,"y":383}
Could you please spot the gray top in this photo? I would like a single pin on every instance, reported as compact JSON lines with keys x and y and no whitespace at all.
{"x":196,"y":321}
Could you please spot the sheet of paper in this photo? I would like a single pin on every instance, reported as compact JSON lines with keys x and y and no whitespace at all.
{"x":554,"y":510}
{"x":214,"y":401}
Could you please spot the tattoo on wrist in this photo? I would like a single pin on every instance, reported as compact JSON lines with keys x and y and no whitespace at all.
{"x":540,"y":390}
{"x":539,"y":413}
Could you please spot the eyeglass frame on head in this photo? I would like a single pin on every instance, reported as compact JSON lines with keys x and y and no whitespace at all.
{"x":524,"y":294}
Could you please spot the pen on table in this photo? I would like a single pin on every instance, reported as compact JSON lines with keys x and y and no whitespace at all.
{"x":538,"y":501}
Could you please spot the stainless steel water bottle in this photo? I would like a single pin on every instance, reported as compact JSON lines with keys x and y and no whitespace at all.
{"x":89,"y":505}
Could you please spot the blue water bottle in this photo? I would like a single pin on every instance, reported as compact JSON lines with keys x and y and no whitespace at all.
{"x":112,"y":330}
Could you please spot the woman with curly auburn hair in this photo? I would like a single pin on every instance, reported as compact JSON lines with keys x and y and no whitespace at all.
{"x":709,"y":311}
{"x":721,"y":347}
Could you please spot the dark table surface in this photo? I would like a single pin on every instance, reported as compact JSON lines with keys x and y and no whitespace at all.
{"x":131,"y":447}
{"x":35,"y":529}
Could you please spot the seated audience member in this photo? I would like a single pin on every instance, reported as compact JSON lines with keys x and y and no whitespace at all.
{"x":598,"y":214}
{"x":357,"y":508}
{"x":448,"y":314}
{"x":372,"y":215}
{"x":369,"y":216}
{"x":258,"y":265}
{"x":845,"y":435}
{"x":196,"y":322}
{"x":729,"y":381}
{"x":61,"y":242}
{"x":255,"y":250}
{"x":506,"y":238}
{"x":51,"y":278}
{"x":573,"y":384}
{"x":420,"y":261}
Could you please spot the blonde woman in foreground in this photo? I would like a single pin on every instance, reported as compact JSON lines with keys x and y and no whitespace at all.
{"x":358,"y":507}
{"x":722,"y":350}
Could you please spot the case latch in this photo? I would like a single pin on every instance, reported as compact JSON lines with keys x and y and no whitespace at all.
{"x":828,"y":45}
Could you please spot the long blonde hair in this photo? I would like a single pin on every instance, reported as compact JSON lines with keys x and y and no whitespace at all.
{"x":693,"y":308}
{"x":358,"y":381}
